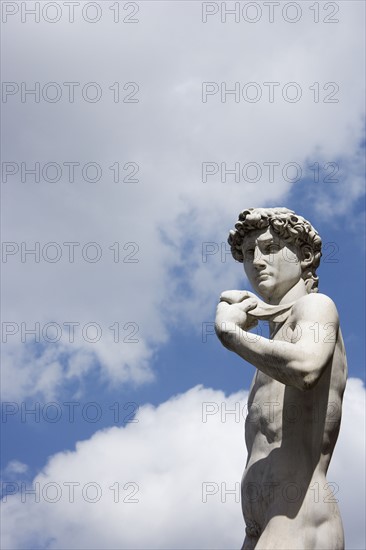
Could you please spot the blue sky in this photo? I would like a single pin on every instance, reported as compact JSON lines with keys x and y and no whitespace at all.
{"x":192,"y":357}
{"x":169,"y":215}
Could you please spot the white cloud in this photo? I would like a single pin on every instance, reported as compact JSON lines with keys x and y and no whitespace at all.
{"x":13,"y":468}
{"x":167,"y":457}
{"x":348,"y":464}
{"x":169,"y":133}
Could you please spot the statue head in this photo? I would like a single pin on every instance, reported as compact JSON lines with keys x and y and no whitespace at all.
{"x":291,"y":228}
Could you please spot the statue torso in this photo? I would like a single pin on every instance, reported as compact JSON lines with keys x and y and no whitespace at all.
{"x":290,"y":436}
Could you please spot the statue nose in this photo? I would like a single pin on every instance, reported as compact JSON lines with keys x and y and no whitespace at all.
{"x":258,"y":260}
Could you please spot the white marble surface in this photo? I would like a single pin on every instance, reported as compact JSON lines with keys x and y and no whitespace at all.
{"x":296,"y":395}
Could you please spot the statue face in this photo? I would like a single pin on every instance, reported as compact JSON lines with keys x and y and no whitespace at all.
{"x":271,"y":265}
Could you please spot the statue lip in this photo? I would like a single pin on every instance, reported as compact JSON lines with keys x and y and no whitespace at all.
{"x":262,"y":276}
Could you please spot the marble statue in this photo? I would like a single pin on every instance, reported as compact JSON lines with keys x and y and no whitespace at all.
{"x":295,"y":400}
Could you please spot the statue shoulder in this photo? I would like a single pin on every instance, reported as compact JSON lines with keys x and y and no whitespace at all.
{"x":315,"y":307}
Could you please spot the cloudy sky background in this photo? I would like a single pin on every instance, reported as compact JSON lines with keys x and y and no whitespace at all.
{"x":166,"y":299}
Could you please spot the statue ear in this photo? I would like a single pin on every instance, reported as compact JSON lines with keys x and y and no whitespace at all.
{"x":306,"y":255}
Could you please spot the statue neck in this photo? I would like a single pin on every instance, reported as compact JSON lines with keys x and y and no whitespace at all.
{"x":296,"y":292}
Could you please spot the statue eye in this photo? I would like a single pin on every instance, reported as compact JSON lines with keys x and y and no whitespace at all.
{"x":273,"y":247}
{"x":249,"y":254}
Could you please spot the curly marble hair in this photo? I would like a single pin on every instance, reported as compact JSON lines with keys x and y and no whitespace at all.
{"x":290,"y":227}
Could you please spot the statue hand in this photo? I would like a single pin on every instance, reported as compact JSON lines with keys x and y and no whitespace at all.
{"x":232,"y":311}
{"x":236,"y":296}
